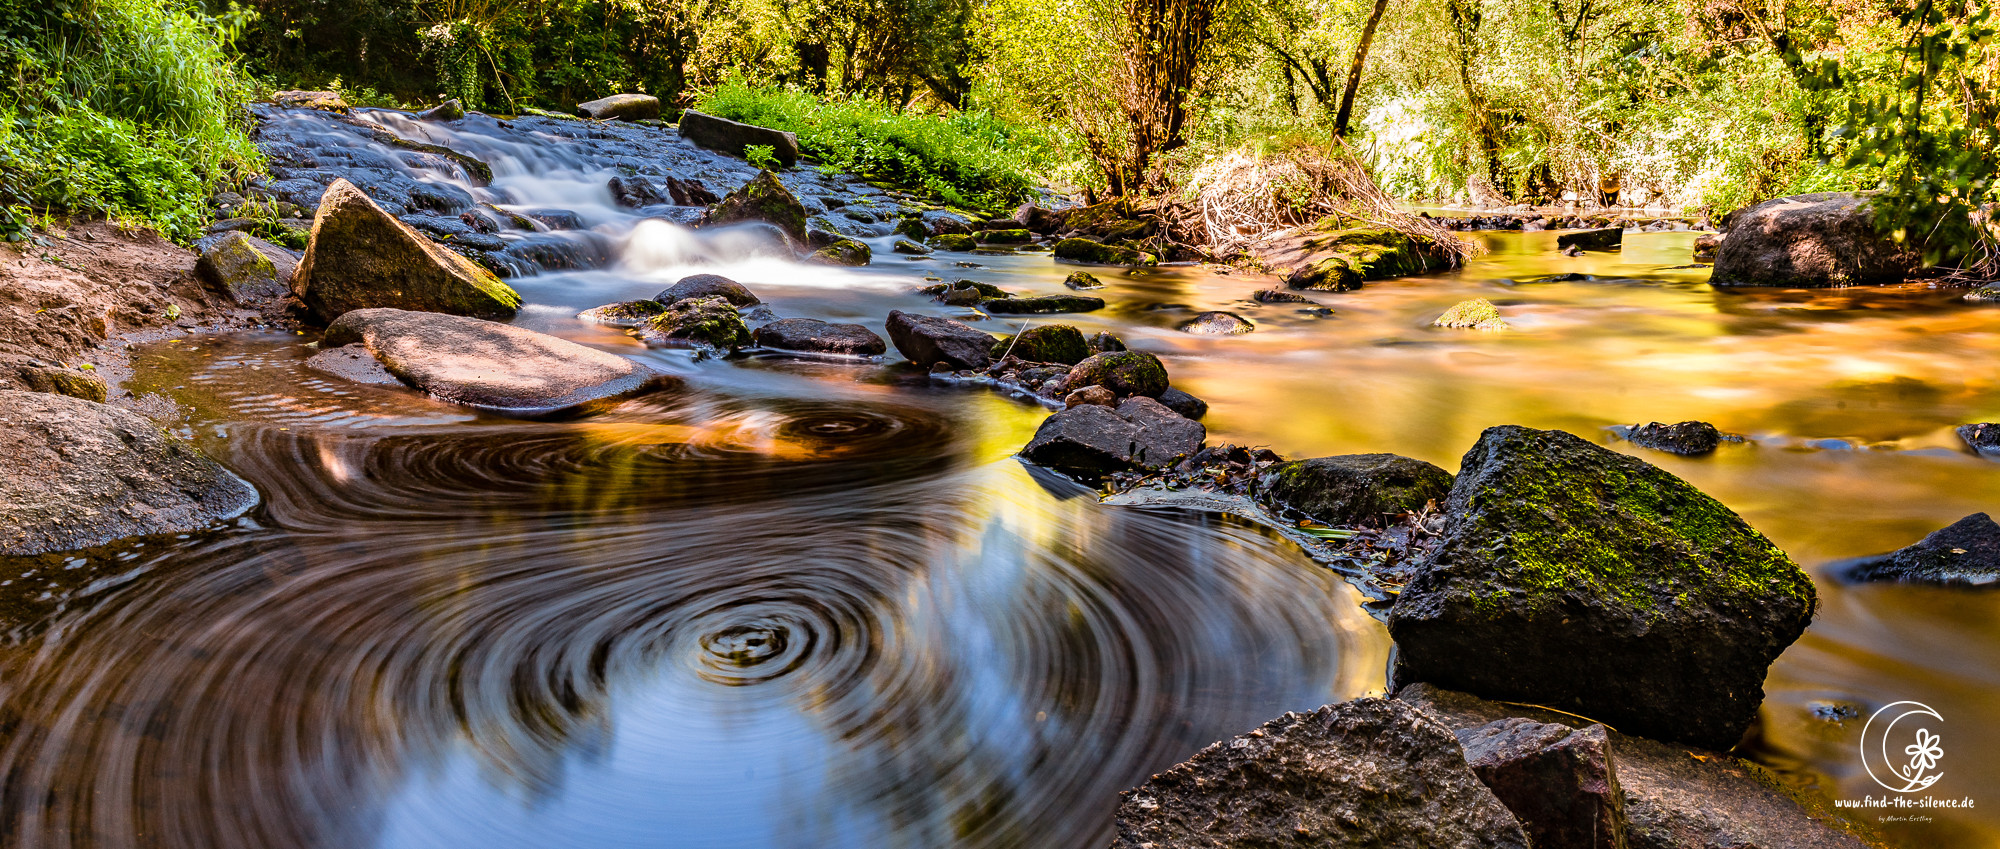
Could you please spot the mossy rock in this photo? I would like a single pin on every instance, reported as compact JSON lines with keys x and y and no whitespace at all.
{"x":905,"y":246}
{"x":1049,"y":343}
{"x":972,"y":291}
{"x":1004,"y":237}
{"x":1125,"y":373}
{"x":623,"y":313}
{"x":1083,"y":280}
{"x":764,"y":199}
{"x":706,"y":323}
{"x":62,"y":381}
{"x":1588,"y":581}
{"x":360,"y":257}
{"x":1345,"y":258}
{"x":844,"y":252}
{"x":914,"y":228}
{"x":1475,"y":314}
{"x":1354,"y":490}
{"x":954,"y":242}
{"x":1085,"y":250}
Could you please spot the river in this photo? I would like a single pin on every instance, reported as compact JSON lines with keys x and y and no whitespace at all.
{"x":800,"y":603}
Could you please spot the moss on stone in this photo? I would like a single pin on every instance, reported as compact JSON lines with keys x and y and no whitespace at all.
{"x":1049,"y":343}
{"x":1085,"y":250}
{"x":1004,"y":237}
{"x":764,"y":199}
{"x":905,"y":246}
{"x":696,"y":323}
{"x":843,"y":252}
{"x":623,"y":313}
{"x":954,"y":242}
{"x":1477,"y":314}
{"x":1125,"y":373}
{"x":914,"y":228}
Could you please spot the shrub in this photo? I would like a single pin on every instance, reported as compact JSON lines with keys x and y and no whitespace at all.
{"x":966,"y":159}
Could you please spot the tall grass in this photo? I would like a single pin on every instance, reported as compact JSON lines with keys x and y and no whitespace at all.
{"x":123,"y":108}
{"x":965,"y":159}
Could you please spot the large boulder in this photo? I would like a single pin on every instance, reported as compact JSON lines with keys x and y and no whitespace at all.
{"x":1353,"y":490}
{"x":1560,"y":782}
{"x":812,"y":336}
{"x":735,"y":137}
{"x":625,"y":107}
{"x":1091,"y":440}
{"x":361,"y":257}
{"x":1371,"y":772}
{"x":1575,"y":577}
{"x":1669,"y":797}
{"x":1963,"y":553}
{"x":245,"y":268}
{"x":1047,"y":343}
{"x":1340,"y":260}
{"x":708,"y":286}
{"x":764,"y":199}
{"x":928,"y":341}
{"x":81,"y":474}
{"x":487,"y":365}
{"x":1809,"y":241}
{"x":1125,"y":373}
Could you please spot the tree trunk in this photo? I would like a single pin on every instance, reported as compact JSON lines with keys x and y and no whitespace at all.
{"x":1354,"y":69}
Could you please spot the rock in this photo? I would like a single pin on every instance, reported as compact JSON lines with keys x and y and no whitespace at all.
{"x":360,"y":257}
{"x":325,"y":101}
{"x":914,"y":228}
{"x":764,"y":199}
{"x":905,"y":246}
{"x":964,"y":292}
{"x":1085,"y":250}
{"x":1706,"y":245}
{"x":706,"y":323}
{"x":1093,"y":395}
{"x":1809,"y":241}
{"x":1217,"y":323}
{"x":245,"y":268}
{"x":1964,"y":553}
{"x":954,"y":242}
{"x":1187,"y":405}
{"x":1983,"y":438}
{"x":1686,"y":438}
{"x":1003,"y":237}
{"x":708,"y":286}
{"x":1340,"y":260}
{"x":1090,"y":440}
{"x":621,"y":107}
{"x":1354,"y":490}
{"x":623,"y":313}
{"x":450,"y":110}
{"x":1567,"y":277}
{"x":735,"y":137}
{"x":1377,"y":773}
{"x":1674,"y":797}
{"x":1125,"y":373}
{"x":1082,"y":280}
{"x":82,"y":474}
{"x":1986,"y":294}
{"x":40,"y":377}
{"x":1279,"y":296}
{"x":1036,"y":218}
{"x":1559,"y":782}
{"x":810,"y":335}
{"x":1576,"y":577}
{"x":634,"y":192}
{"x":928,"y":341}
{"x":491,"y":366}
{"x":1600,"y":239}
{"x":1104,"y":342}
{"x":1048,"y":343}
{"x":1571,"y":251}
{"x":843,"y":252}
{"x":1476,"y":314}
{"x":1042,"y":305}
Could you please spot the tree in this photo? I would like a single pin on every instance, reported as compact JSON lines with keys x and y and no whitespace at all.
{"x":1354,"y":68}
{"x":1163,"y":51}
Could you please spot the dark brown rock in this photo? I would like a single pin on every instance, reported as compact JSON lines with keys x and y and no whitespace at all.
{"x":764,"y":199}
{"x":1685,"y":438}
{"x":708,"y":286}
{"x":1559,"y":782}
{"x":81,"y":474}
{"x":1354,"y":490}
{"x":1091,"y":440}
{"x":735,"y":137}
{"x":1601,"y":239}
{"x":928,"y":341}
{"x":361,"y":257}
{"x":1964,"y":553}
{"x":1372,"y":773}
{"x":1809,"y":241}
{"x":810,"y":335}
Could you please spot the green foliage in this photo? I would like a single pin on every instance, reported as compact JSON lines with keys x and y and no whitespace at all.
{"x":124,"y":108}
{"x":1934,"y":136}
{"x":763,"y":156}
{"x":968,"y":159}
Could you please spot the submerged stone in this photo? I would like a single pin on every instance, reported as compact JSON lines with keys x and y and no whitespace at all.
{"x":1600,"y":239}
{"x":1964,"y":553}
{"x":1686,"y":438}
{"x":1041,"y":305}
{"x":1475,"y":314}
{"x":1579,"y":578}
{"x":1217,"y":323}
{"x":1354,"y":490}
{"x":1082,"y":280}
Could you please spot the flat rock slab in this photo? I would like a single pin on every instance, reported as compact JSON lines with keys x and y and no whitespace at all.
{"x":628,"y":107}
{"x":1370,"y":772}
{"x":1089,"y":439}
{"x":490,"y":366}
{"x":82,"y":473}
{"x":1675,"y":797}
{"x":812,"y":336}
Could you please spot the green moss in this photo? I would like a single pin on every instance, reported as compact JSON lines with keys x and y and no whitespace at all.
{"x":913,"y":228}
{"x":843,"y":252}
{"x":1125,"y":373}
{"x":905,"y":246}
{"x":698,"y":323}
{"x":954,"y":242}
{"x":1004,"y":237}
{"x":1049,"y":343}
{"x":1085,"y":250}
{"x":764,"y":199}
{"x":1478,"y":314}
{"x":624,"y":313}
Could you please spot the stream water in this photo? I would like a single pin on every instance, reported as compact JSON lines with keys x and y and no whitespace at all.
{"x":812,"y":604}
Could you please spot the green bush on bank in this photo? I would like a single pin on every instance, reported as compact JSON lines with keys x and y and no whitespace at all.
{"x":965,"y":159}
{"x":123,"y":108}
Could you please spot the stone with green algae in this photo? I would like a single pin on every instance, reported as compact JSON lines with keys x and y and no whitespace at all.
{"x":1581,"y":579}
{"x":1476,"y":314}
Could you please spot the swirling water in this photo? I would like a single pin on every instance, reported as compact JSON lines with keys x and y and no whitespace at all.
{"x":798,"y":603}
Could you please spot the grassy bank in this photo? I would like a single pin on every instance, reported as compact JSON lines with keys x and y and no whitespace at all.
{"x":129,"y":109}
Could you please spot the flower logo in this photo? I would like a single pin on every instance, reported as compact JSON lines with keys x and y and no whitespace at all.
{"x":1924,"y":748}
